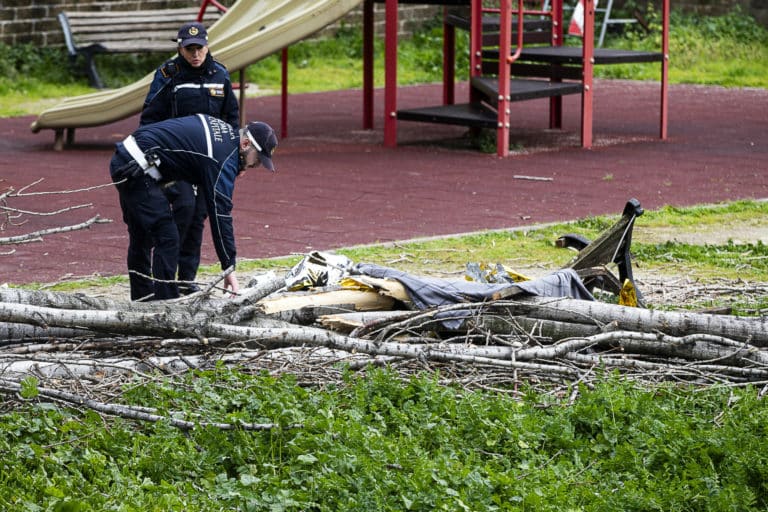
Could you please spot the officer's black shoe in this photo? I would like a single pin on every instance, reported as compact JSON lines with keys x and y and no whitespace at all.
{"x":188,"y":288}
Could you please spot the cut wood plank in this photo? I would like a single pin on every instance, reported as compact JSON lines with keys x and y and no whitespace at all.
{"x":389,"y":287}
{"x":359,"y":300}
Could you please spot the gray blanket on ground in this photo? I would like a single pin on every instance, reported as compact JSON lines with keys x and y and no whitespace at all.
{"x":427,"y":292}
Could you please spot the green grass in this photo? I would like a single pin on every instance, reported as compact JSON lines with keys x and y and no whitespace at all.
{"x":34,"y":78}
{"x":373,"y":442}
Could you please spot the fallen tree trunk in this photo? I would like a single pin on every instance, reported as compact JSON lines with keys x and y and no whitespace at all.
{"x":553,"y":318}
{"x":63,"y":300}
{"x":258,"y":287}
{"x":12,"y":333}
{"x":663,"y":356}
{"x":179,"y":325}
{"x":514,"y":335}
{"x":196,"y":309}
{"x":600,"y":314}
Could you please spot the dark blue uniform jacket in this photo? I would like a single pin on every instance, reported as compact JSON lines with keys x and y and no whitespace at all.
{"x":179,"y":90}
{"x":202,"y":150}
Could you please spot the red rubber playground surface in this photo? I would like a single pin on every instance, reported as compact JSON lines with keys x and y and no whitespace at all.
{"x":338,"y":186}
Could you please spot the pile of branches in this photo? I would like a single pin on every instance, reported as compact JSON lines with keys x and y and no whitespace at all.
{"x":81,"y":348}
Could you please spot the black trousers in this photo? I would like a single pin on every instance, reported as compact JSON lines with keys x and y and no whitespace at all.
{"x":189,"y":213}
{"x":151,"y":231}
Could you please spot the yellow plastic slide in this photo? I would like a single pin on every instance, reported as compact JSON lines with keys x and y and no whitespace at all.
{"x":249,"y":31}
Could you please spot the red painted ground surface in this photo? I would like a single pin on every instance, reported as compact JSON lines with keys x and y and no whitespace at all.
{"x":338,"y":186}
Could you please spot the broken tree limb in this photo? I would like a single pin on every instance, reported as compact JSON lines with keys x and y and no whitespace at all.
{"x":69,"y":300}
{"x":669,"y":357}
{"x":750,"y":329}
{"x":230,"y":310}
{"x":37,"y":236}
{"x":539,"y":328}
{"x":695,"y":347}
{"x":566,"y":311}
{"x":158,"y":323}
{"x":15,"y":332}
{"x":244,"y":307}
{"x":64,"y":365}
{"x":659,"y":370}
{"x":533,"y":178}
{"x":258,"y":287}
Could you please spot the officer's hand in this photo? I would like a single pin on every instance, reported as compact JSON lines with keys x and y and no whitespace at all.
{"x":230,"y":283}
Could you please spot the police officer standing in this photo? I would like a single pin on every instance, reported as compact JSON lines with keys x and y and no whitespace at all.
{"x":190,"y":83}
{"x":202,"y":150}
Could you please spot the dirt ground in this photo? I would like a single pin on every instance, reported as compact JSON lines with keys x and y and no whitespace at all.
{"x":715,"y":235}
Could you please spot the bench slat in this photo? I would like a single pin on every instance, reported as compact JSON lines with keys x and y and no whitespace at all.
{"x":130,"y":47}
{"x":108,"y":15}
{"x":77,"y":24}
{"x":167,"y":32}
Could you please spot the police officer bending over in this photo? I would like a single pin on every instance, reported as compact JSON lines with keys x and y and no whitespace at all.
{"x":193,"y":82}
{"x":202,"y":150}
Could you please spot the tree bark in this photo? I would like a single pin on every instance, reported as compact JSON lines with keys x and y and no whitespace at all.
{"x":752,"y":330}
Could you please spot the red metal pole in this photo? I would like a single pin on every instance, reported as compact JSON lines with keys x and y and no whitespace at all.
{"x":588,"y":72}
{"x":204,"y":5}
{"x":557,"y":22}
{"x":503,"y":106}
{"x":368,"y":34}
{"x":664,"y":70}
{"x":556,"y":102}
{"x":475,"y":45}
{"x":390,"y":74}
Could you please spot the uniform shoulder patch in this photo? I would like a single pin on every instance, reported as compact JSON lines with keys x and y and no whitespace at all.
{"x":169,"y":69}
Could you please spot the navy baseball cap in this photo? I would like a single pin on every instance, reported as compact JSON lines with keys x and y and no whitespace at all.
{"x":263,"y":138}
{"x":192,"y":33}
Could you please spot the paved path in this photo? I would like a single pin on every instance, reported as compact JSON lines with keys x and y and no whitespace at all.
{"x":338,"y":186}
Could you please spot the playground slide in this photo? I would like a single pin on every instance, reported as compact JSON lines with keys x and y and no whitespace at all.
{"x":249,"y":31}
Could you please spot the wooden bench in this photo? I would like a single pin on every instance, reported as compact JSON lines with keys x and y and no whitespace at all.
{"x":88,"y":34}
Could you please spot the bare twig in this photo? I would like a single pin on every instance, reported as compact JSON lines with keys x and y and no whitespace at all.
{"x":38,"y":235}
